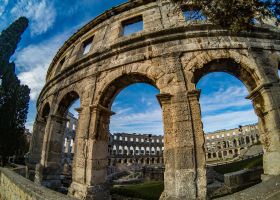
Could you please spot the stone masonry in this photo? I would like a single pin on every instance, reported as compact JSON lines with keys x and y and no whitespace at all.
{"x":147,"y":149}
{"x":170,"y":54}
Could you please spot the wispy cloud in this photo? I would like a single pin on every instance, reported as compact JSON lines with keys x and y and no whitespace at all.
{"x":232,"y":97}
{"x":34,"y":61}
{"x":3,"y":4}
{"x":227,"y":108}
{"x":228,"y":120}
{"x":41,"y":14}
{"x":148,"y":121}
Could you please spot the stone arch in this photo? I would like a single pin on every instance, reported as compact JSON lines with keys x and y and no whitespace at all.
{"x":54,"y":140}
{"x":36,"y":145}
{"x":131,"y":150}
{"x":232,"y":62}
{"x":65,"y":102}
{"x":126,"y":150}
{"x":46,"y":111}
{"x":148,"y":151}
{"x":235,"y":143}
{"x":120,"y":150}
{"x":247,"y":139}
{"x":113,"y":87}
{"x":253,"y":139}
{"x":261,"y":83}
{"x":245,"y":74}
{"x":242,"y":140}
{"x":137,"y":151}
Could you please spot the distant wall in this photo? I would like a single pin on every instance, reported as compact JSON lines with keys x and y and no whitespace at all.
{"x":16,"y":187}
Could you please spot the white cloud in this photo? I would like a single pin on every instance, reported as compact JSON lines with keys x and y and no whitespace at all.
{"x":3,"y":4}
{"x":229,"y":120}
{"x":227,"y":108}
{"x":217,"y":108}
{"x":231,"y":97}
{"x":149,"y":121}
{"x":41,"y":14}
{"x":34,"y":61}
{"x":34,"y":79}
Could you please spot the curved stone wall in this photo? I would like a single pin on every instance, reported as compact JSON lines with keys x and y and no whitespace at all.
{"x":170,"y":54}
{"x":16,"y":187}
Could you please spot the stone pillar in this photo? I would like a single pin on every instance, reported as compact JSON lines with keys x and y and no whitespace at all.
{"x":199,"y":143}
{"x":67,"y":146}
{"x":184,"y":154}
{"x":169,"y":145}
{"x":49,"y":170}
{"x":91,"y":156}
{"x":266,"y":100}
{"x":35,"y":148}
{"x":73,"y":147}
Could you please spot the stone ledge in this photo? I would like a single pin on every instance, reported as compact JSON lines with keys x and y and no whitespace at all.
{"x":14,"y":186}
{"x":269,"y":190}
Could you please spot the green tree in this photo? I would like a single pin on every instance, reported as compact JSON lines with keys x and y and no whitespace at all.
{"x":14,"y":97}
{"x":237,"y":15}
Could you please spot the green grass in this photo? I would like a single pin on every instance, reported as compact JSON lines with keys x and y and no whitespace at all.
{"x":148,"y":190}
{"x":236,"y":166}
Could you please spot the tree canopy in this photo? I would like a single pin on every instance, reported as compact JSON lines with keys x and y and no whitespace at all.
{"x":14,"y":97}
{"x":237,"y":14}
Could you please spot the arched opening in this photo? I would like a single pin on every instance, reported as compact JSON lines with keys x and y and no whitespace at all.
{"x":226,"y":114}
{"x":46,"y":111}
{"x":60,"y":149}
{"x":35,"y":149}
{"x":138,"y":117}
{"x":69,"y":146}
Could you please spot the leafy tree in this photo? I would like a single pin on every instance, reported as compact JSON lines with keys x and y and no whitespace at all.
{"x":237,"y":15}
{"x":14,"y":97}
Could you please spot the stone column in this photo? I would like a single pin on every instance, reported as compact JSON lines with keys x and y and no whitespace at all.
{"x":35,"y":148}
{"x":73,"y":147}
{"x":91,"y":156}
{"x":67,"y":146}
{"x":266,"y":100}
{"x":184,"y":154}
{"x":201,"y":182}
{"x":169,"y":145}
{"x":49,"y":170}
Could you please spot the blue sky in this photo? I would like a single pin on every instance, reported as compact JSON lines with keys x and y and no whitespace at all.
{"x":53,"y":21}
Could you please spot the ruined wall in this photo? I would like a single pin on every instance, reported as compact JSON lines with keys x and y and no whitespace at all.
{"x":16,"y":187}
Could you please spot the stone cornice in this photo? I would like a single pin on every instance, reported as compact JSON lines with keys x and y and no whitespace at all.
{"x":254,"y":93}
{"x":125,"y":7}
{"x":163,"y":98}
{"x":150,"y":38}
{"x":99,"y":19}
{"x":102,"y":109}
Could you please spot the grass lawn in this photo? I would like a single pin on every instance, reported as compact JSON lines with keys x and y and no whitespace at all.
{"x":236,"y":166}
{"x":148,"y":190}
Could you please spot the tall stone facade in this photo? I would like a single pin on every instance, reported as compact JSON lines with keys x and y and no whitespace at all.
{"x":98,"y":61}
{"x":143,"y":149}
{"x":147,"y":149}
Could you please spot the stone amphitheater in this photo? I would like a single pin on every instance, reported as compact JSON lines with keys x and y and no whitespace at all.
{"x":147,"y":149}
{"x":172,"y":54}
